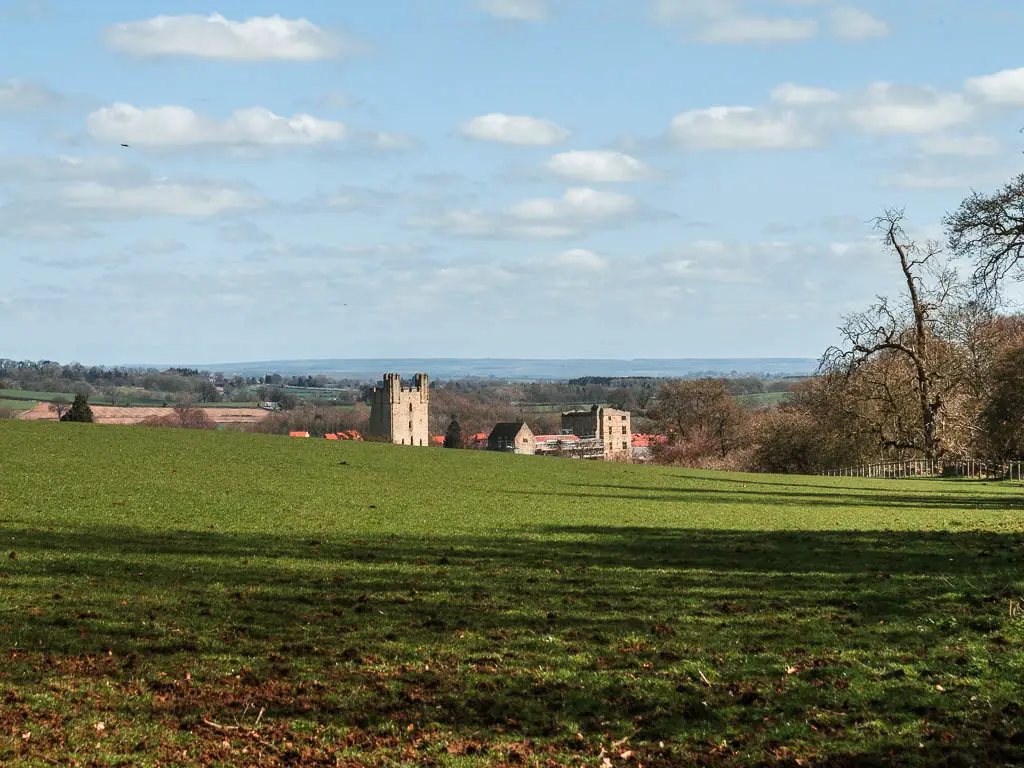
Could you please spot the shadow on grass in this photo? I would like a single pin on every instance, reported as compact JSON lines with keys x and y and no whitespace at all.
{"x":670,"y":634}
{"x":878,"y":498}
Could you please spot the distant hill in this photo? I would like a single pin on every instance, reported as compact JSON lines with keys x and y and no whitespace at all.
{"x":524,"y":369}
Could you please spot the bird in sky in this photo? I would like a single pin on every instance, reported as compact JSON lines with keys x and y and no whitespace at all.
{"x":124,"y":145}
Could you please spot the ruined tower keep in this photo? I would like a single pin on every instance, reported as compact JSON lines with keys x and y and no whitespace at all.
{"x":401,"y":415}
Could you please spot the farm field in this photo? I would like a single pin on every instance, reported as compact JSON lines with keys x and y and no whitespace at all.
{"x":17,"y":405}
{"x":108,"y":415}
{"x":23,"y":394}
{"x":763,"y":399}
{"x":204,"y":598}
{"x":137,"y":397}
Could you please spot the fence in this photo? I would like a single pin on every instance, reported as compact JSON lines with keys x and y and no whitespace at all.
{"x":995,"y":470}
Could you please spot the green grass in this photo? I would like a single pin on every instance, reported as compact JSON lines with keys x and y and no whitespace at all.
{"x":764,"y":399}
{"x":136,"y":397}
{"x":47,"y":397}
{"x":395,"y":606}
{"x":17,"y":405}
{"x":23,"y":394}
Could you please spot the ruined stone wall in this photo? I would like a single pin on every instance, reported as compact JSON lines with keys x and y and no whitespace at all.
{"x":580,"y":423}
{"x":612,"y":427}
{"x":617,"y":432}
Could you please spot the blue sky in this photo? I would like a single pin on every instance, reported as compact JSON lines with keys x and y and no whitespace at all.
{"x":479,"y":178}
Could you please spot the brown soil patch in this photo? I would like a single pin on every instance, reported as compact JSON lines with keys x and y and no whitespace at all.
{"x":107,"y":414}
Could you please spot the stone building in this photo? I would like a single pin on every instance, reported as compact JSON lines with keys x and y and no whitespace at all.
{"x":610,"y":427}
{"x":512,"y":437}
{"x":401,"y":414}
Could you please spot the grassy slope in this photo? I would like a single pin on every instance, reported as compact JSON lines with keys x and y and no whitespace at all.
{"x":431,"y":607}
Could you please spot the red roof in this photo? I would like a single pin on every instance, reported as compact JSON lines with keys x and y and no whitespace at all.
{"x":437,"y":440}
{"x":647,"y":441}
{"x":332,"y":437}
{"x":351,"y":434}
{"x":481,"y":437}
{"x":298,"y":434}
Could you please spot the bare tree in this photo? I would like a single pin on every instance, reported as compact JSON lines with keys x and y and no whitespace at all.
{"x":59,"y":407}
{"x":896,"y":349}
{"x":702,"y":413}
{"x":989,"y":231}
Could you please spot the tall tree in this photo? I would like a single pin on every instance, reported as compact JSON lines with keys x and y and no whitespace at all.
{"x":453,"y":437}
{"x":895,"y":347}
{"x":1003,"y":414}
{"x":79,"y":411}
{"x":988,"y":230}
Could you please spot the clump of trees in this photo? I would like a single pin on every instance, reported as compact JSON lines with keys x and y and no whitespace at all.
{"x":183,"y":416}
{"x":318,"y":420}
{"x":934,"y":370}
{"x":79,"y":411}
{"x":704,"y":423}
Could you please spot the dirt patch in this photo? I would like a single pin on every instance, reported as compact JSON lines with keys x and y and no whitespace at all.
{"x":107,"y":414}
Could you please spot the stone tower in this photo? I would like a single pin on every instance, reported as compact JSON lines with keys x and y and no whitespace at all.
{"x":401,"y":415}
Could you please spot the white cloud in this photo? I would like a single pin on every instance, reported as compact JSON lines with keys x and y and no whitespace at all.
{"x":387,"y":141}
{"x":964,"y":146}
{"x":855,"y":25}
{"x":793,"y":95}
{"x":743,"y":29}
{"x":520,"y":10}
{"x":173,"y":126}
{"x":352,"y":199}
{"x":888,"y":109}
{"x":579,"y":210}
{"x":38,"y":168}
{"x":22,"y":96}
{"x":1002,"y":89}
{"x":581,"y":258}
{"x":159,"y":198}
{"x":462,"y":223}
{"x":597,"y":166}
{"x":577,"y":203}
{"x":714,"y":261}
{"x":43,"y":228}
{"x":939,"y":180}
{"x":725,"y":21}
{"x":155,"y":246}
{"x":215,"y":37}
{"x":515,"y":129}
{"x":739,"y":128}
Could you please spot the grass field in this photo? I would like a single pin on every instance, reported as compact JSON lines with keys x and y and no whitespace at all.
{"x":136,"y":397}
{"x":46,"y":397}
{"x":181,"y":598}
{"x":764,"y":399}
{"x":22,"y":394}
{"x":17,"y":405}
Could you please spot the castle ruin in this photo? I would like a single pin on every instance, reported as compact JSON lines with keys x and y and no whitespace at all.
{"x":604,"y":430}
{"x":399,"y":414}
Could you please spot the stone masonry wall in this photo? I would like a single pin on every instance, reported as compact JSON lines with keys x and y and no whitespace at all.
{"x":401,"y":415}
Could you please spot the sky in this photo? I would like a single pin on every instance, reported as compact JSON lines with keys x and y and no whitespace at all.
{"x":480,"y":178}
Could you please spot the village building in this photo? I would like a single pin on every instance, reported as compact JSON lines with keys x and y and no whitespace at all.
{"x":556,"y":445}
{"x":512,"y":437}
{"x":400,"y":414}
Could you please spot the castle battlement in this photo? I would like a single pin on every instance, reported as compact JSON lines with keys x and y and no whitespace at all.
{"x":401,"y":414}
